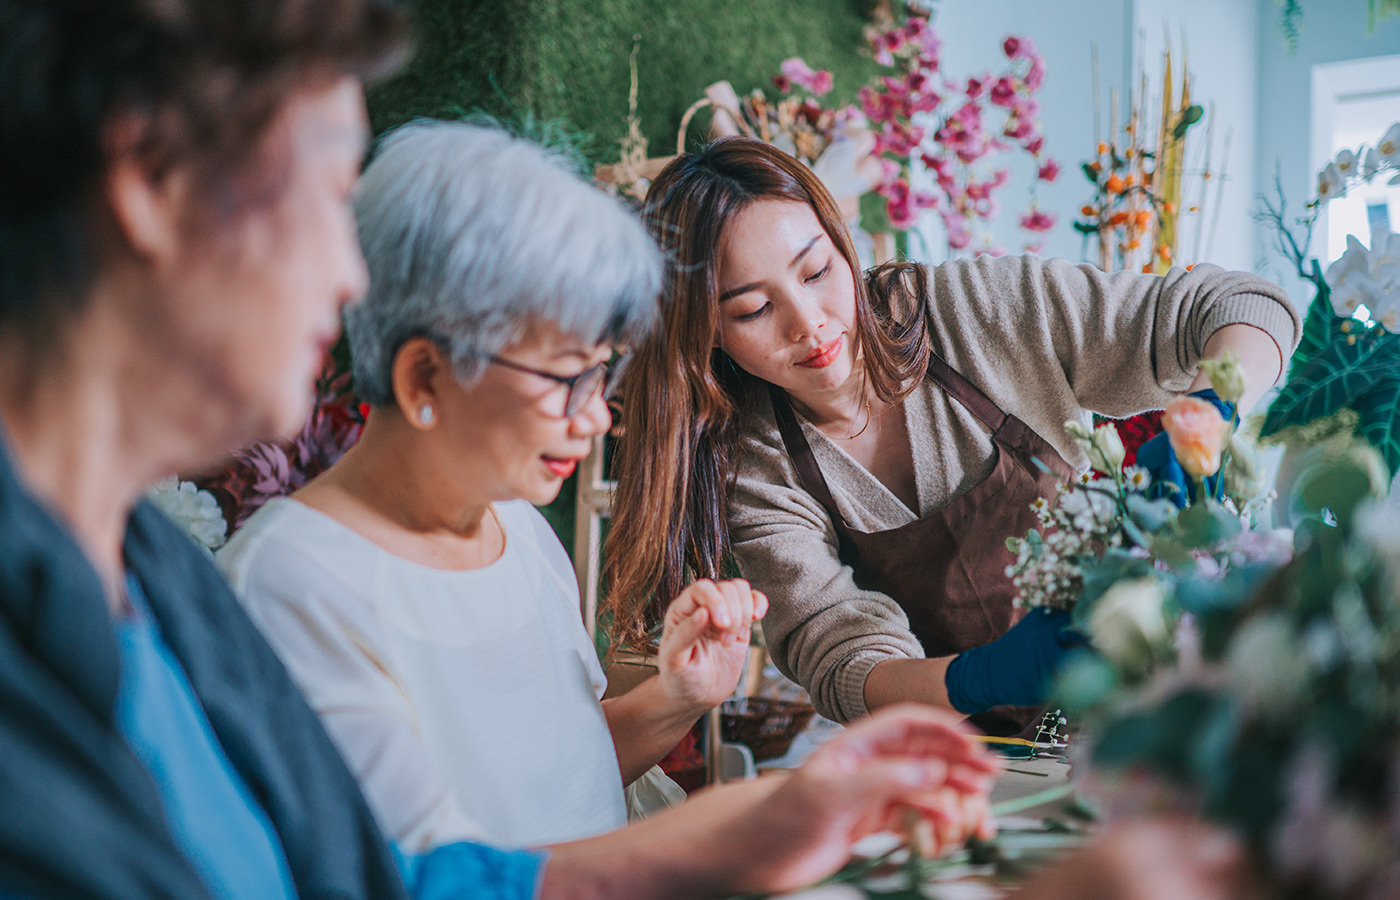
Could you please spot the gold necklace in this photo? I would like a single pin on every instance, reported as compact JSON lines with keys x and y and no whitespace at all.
{"x":851,"y":437}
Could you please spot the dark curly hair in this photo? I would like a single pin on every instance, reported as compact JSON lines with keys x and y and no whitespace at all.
{"x":207,"y":76}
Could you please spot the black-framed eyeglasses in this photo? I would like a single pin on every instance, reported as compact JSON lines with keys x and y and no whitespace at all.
{"x":584,"y":386}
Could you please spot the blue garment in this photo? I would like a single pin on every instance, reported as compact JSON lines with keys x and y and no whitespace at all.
{"x":1169,"y":479}
{"x":467,"y":870}
{"x":215,"y":819}
{"x":212,"y":815}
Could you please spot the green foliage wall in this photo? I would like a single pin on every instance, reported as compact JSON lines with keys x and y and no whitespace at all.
{"x":568,"y":58}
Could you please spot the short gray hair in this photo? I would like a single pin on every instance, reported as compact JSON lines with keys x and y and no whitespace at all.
{"x":472,"y":234}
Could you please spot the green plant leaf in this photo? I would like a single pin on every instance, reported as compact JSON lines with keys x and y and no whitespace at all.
{"x":1089,"y":173}
{"x":1086,"y":227}
{"x":1206,"y":525}
{"x":1320,"y":324}
{"x":1379,"y":409}
{"x":1190,"y":116}
{"x":1334,"y":378}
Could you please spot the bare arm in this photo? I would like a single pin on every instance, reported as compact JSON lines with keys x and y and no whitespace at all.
{"x":704,"y":646}
{"x":1259,"y":354}
{"x":777,"y":834}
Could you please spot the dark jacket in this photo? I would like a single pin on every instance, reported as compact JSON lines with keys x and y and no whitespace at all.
{"x":79,"y":815}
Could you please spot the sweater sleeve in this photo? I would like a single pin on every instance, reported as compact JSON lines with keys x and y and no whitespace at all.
{"x":327,"y":641}
{"x":822,"y":630}
{"x":1120,"y":343}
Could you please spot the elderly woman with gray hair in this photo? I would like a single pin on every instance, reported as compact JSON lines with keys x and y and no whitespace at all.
{"x":419,"y":599}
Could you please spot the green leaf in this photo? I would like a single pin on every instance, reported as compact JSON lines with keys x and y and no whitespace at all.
{"x":1320,"y":324}
{"x":1086,"y":227}
{"x":1206,"y":524}
{"x":1334,"y":378}
{"x":1117,"y":161}
{"x":1379,"y":409}
{"x":1089,"y":172}
{"x":1190,"y":116}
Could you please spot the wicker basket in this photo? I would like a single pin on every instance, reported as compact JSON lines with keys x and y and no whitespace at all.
{"x":766,"y":727}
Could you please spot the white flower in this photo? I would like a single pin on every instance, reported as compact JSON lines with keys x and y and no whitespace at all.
{"x":1371,"y":164}
{"x":1389,"y":145}
{"x":1128,"y":625}
{"x":1331,"y":184}
{"x":195,"y":511}
{"x":1345,"y":162}
{"x":1086,"y":478}
{"x":1106,"y":450}
{"x":1137,"y":478}
{"x":1369,"y":278}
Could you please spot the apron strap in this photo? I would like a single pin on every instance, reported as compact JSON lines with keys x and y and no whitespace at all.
{"x":809,"y":474}
{"x":966,"y":393}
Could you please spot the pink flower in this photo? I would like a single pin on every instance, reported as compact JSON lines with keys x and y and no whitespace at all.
{"x":796,"y":71}
{"x":1036,"y":220}
{"x":1048,"y":170}
{"x":1035,"y":145}
{"x":781,"y":83}
{"x":1011,"y":46}
{"x":1035,"y":248}
{"x":974,"y":87}
{"x":1035,"y":76}
{"x":902,"y":216}
{"x":1003,"y":91}
{"x":1197,"y":434}
{"x":958,"y":235}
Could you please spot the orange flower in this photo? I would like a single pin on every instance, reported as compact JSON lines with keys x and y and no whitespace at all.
{"x":1170,"y":208}
{"x":1143,"y":218}
{"x":1114,"y":185}
{"x":1130,"y":180}
{"x":1103,"y":148}
{"x":1118,"y":218}
{"x":1096,"y":166}
{"x":1088,"y":211}
{"x":1133,"y":244}
{"x":1197,"y":433}
{"x":1164,"y":252}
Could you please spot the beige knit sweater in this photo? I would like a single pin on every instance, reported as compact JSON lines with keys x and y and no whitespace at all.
{"x":1047,"y":341}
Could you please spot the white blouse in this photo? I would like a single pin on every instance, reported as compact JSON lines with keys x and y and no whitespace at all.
{"x":467,"y":703}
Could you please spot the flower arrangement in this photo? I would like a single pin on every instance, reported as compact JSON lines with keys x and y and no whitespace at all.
{"x":262,"y":471}
{"x":1110,"y":552}
{"x":194,"y":510}
{"x":1348,"y":360}
{"x":1285,"y":726}
{"x":926,"y":120}
{"x":1140,"y":182}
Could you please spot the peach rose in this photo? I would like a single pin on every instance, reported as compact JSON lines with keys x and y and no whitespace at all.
{"x":1197,"y":433}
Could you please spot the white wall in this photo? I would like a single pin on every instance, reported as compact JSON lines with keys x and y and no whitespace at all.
{"x":1221,"y":35}
{"x":1333,"y":31}
{"x":973,"y":31}
{"x":1220,"y":40}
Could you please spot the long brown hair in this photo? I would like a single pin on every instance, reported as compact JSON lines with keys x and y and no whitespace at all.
{"x":677,"y":453}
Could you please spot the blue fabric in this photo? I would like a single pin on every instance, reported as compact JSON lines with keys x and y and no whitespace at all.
{"x":1016,"y":669}
{"x":464,"y":869}
{"x":1169,"y":479}
{"x":213,"y":817}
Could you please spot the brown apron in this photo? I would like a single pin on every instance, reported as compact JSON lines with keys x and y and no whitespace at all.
{"x":947,"y":571}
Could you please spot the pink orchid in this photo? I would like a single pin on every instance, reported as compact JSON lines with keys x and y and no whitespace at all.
{"x":1004,"y":91}
{"x":1036,"y":220}
{"x":1048,"y":170}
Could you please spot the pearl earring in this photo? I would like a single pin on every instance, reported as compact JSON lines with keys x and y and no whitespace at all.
{"x":425,"y":414}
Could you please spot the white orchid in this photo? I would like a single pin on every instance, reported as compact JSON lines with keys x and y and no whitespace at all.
{"x":1331,"y":184}
{"x":1370,"y":164}
{"x":1389,"y":145}
{"x":1345,"y":162}
{"x":1369,"y":278}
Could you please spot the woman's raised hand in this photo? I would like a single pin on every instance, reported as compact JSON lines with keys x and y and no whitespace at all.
{"x":705,"y":641}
